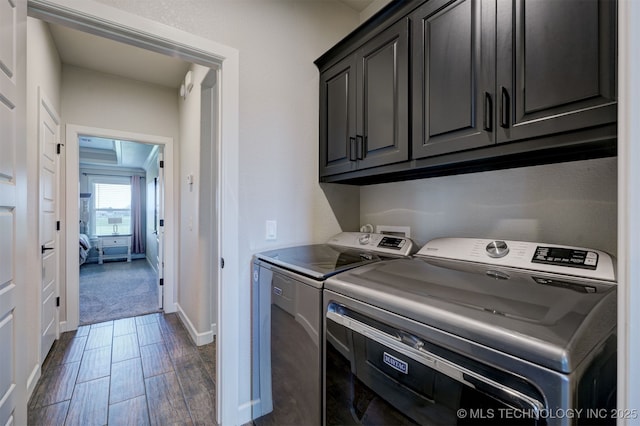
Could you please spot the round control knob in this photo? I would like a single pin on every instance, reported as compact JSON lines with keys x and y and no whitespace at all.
{"x":364,"y":239}
{"x":497,"y":249}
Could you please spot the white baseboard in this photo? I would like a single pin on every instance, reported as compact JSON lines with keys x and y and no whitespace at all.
{"x":246,"y":411}
{"x":32,"y":381}
{"x":153,"y":265}
{"x":63,"y":326}
{"x":199,"y":338}
{"x":171,"y":308}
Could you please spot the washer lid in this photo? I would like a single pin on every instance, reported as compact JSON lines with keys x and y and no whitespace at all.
{"x":317,"y":261}
{"x":550,"y":320}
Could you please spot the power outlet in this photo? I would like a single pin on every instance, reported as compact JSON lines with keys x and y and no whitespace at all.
{"x":271,"y":230}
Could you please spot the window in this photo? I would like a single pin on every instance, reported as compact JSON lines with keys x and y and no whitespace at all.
{"x":111,"y":206}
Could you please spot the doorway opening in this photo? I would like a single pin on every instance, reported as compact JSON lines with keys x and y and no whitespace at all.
{"x":120,"y":211}
{"x":113,"y":24}
{"x":99,"y":197}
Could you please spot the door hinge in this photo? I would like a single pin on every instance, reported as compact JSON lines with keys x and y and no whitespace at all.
{"x":161,"y":222}
{"x":162,"y":164}
{"x":222,"y":263}
{"x":57,"y":225}
{"x":161,"y":281}
{"x":59,"y":148}
{"x":58,"y":302}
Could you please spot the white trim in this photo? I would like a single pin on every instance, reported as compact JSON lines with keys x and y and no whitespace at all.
{"x":73,"y":132}
{"x":44,"y":102}
{"x":628,"y":390}
{"x":198,"y":338}
{"x":118,"y":25}
{"x":32,"y":381}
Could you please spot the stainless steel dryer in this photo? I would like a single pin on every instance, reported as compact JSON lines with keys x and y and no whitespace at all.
{"x":287,"y":320}
{"x":473,"y":331}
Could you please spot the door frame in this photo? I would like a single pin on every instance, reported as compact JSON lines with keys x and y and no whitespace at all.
{"x":72,"y":195}
{"x":115,"y":24}
{"x":45,"y":103}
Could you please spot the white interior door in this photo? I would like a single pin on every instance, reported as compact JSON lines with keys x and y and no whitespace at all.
{"x":12,"y":30}
{"x":160,"y":228}
{"x":48,"y":141}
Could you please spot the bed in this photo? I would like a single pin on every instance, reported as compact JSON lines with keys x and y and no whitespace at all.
{"x":85,"y":246}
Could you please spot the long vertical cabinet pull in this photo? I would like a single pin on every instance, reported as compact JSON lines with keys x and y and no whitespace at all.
{"x":504,"y":108}
{"x":352,"y":149}
{"x":360,"y":147}
{"x":488,"y":111}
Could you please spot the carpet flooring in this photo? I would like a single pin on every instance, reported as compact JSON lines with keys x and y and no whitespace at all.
{"x":116,"y":290}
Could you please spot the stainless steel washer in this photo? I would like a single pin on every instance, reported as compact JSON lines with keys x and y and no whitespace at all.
{"x":287,"y":323}
{"x":473,"y":331}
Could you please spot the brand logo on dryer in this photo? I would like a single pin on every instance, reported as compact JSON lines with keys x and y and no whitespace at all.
{"x":395,"y":363}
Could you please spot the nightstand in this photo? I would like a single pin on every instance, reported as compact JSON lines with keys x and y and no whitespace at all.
{"x":114,"y":242}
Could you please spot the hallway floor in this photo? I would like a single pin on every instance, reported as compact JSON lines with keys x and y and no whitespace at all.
{"x":135,"y":371}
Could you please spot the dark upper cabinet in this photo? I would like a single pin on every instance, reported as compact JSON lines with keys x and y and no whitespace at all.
{"x":364,"y":99}
{"x":556,"y":66}
{"x":436,"y":87}
{"x":453,"y":76}
{"x":487,"y":71}
{"x":338,"y":117}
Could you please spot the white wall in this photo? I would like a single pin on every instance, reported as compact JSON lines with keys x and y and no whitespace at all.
{"x":43,"y":71}
{"x":277,"y":40}
{"x":629,"y":209}
{"x":94,"y":99}
{"x":195,"y":288}
{"x":569,"y":203}
{"x":105,"y":101}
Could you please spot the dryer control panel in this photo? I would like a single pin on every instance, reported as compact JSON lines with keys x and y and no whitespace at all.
{"x":382,"y":244}
{"x":552,"y":258}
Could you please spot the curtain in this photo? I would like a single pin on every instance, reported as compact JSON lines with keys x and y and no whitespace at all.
{"x":137,"y":231}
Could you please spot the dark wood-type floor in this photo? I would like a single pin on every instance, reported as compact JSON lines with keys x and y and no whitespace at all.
{"x":133,"y":371}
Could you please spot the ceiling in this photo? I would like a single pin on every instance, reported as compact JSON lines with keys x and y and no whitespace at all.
{"x":101,"y":152}
{"x":100,"y":54}
{"x":357,"y":5}
{"x":97,"y":53}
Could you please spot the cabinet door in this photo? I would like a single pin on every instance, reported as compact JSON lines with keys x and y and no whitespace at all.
{"x":453,"y":76}
{"x":556,"y":66}
{"x":383,"y":98}
{"x":338,"y":118}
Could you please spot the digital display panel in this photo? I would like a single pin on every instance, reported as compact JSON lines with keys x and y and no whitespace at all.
{"x":566,"y":257}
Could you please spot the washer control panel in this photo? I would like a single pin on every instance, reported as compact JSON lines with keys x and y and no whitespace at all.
{"x":376,"y":243}
{"x":552,"y":258}
{"x":566,"y":257}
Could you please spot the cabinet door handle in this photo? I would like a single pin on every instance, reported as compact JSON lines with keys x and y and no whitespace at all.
{"x":352,"y":149}
{"x":488,"y":111}
{"x":504,"y":108}
{"x":360,"y":147}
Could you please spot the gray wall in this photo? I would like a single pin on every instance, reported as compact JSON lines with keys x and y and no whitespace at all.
{"x":568,"y":203}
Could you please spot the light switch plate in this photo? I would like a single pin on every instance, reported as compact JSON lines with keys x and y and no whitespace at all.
{"x":271,"y":230}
